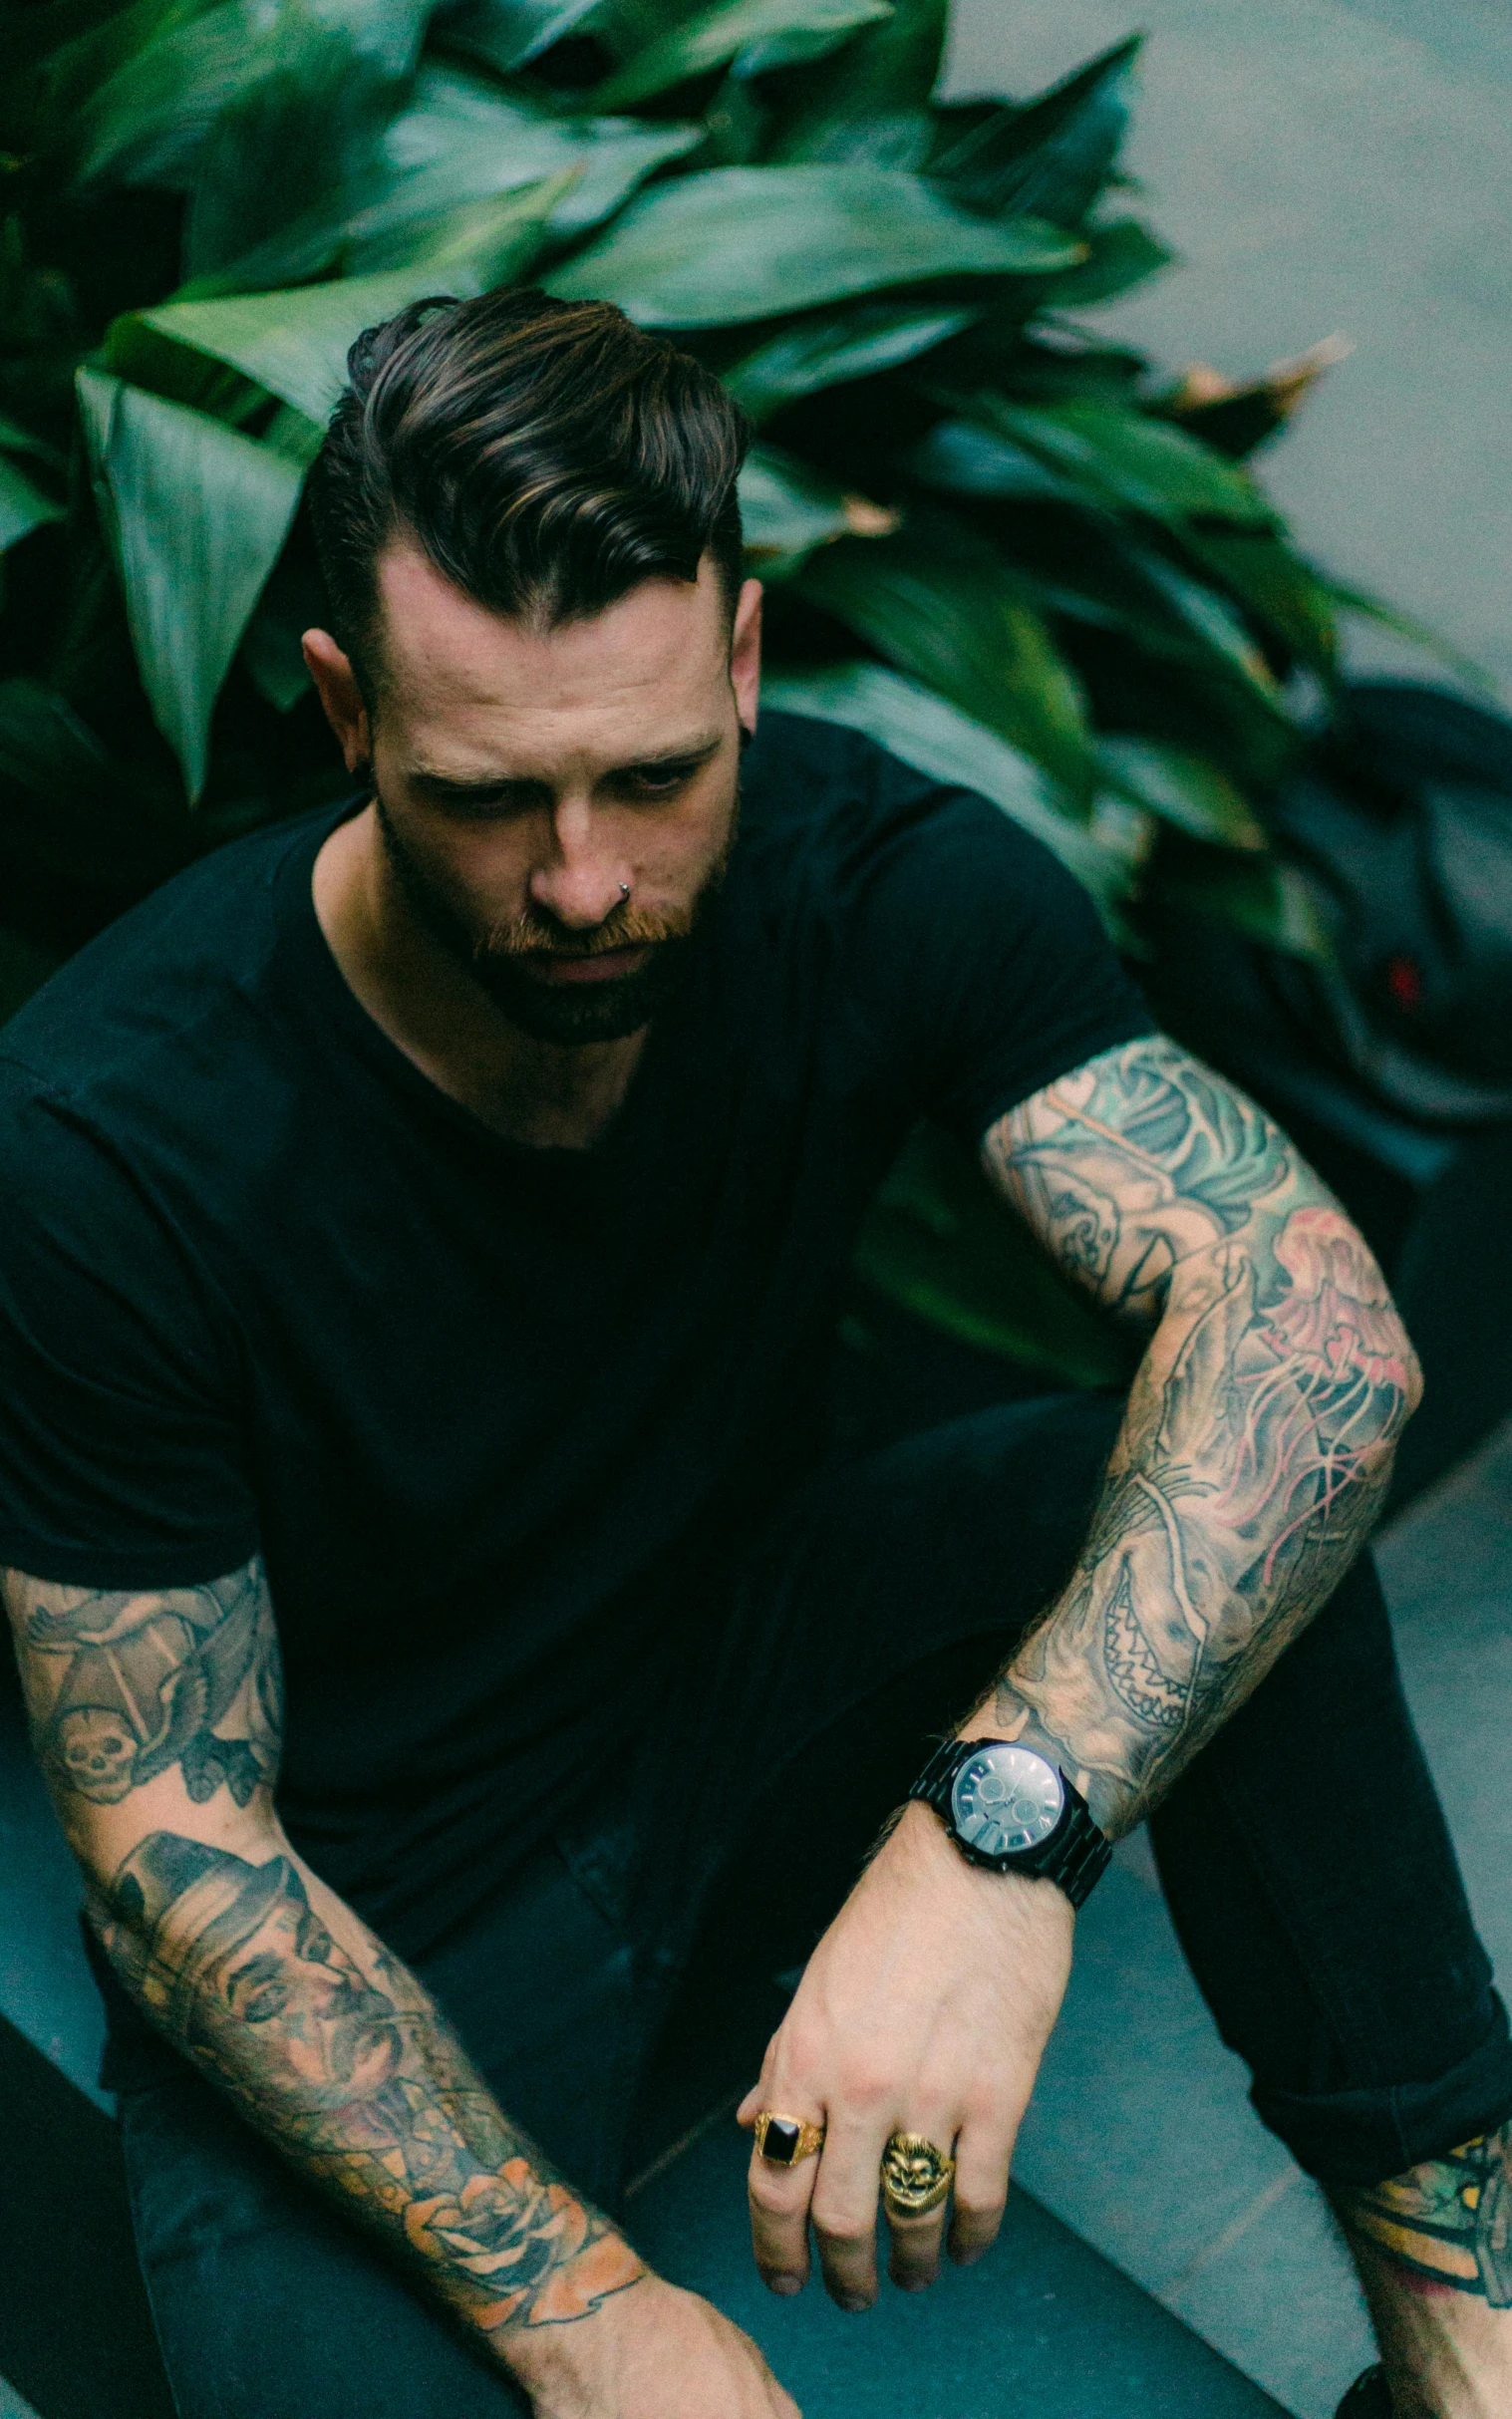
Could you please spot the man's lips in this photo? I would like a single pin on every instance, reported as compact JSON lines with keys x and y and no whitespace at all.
{"x":556,"y":966}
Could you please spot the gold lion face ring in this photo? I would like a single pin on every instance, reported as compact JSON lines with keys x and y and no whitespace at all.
{"x":916,"y":2175}
{"x":787,"y":2140}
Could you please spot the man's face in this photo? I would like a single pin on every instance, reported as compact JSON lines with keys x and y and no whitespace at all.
{"x":528,"y":778}
{"x":320,"y":2035}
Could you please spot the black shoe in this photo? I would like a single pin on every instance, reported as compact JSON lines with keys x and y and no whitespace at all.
{"x":1367,"y":2398}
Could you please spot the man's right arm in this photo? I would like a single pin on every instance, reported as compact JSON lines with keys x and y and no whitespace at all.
{"x":157,"y":1717}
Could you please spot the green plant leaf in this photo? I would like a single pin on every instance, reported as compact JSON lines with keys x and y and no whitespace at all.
{"x":721,"y":33}
{"x":320,"y":112}
{"x":789,"y":509}
{"x":940,"y":1242}
{"x":1418,"y":634}
{"x":1275,"y":587}
{"x":815,"y":353}
{"x":961,"y":457}
{"x":508,"y":34}
{"x":24,"y":505}
{"x":925,"y":730}
{"x":1264,"y":898}
{"x":295,"y":343}
{"x":1048,"y":158}
{"x":1183,"y":789}
{"x":869,"y":105}
{"x":1125,"y":458}
{"x":943,"y":606}
{"x":463,"y":138}
{"x":1120,"y":257}
{"x":735,"y":244}
{"x":198,"y":517}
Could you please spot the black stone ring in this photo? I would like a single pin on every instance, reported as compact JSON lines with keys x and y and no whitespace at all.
{"x":787,"y":2140}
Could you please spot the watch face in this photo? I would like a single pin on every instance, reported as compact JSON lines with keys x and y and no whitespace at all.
{"x":1004,"y":1799}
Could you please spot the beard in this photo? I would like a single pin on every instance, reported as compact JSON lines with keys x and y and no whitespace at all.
{"x":501,"y":960}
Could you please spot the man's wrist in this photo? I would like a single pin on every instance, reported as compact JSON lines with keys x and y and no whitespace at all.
{"x":575,"y":2351}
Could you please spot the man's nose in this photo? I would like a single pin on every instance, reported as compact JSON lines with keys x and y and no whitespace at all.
{"x":582,"y":880}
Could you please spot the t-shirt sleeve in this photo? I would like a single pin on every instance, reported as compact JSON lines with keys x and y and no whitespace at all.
{"x":985,"y":963}
{"x":121,"y":1463}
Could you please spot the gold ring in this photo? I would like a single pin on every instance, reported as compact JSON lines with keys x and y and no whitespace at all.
{"x":787,"y":2140}
{"x":916,"y":2175}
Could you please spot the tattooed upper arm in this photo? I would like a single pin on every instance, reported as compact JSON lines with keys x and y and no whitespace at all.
{"x":123,"y":1685}
{"x":1257,"y":1442}
{"x":1144,"y":1159}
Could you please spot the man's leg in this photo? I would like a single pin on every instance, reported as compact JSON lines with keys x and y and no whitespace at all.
{"x":268,"y":2302}
{"x":1304,"y":1853}
{"x":1315,"y":1889}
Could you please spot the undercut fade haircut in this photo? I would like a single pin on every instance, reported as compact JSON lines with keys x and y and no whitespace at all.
{"x":545,"y":457}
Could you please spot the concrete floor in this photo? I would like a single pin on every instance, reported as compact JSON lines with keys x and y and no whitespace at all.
{"x":1323,"y":166}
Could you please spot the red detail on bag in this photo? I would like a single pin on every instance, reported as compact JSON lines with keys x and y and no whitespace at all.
{"x":1404,"y":983}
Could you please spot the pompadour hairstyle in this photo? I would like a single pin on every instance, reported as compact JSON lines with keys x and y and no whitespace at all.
{"x":546,"y":457}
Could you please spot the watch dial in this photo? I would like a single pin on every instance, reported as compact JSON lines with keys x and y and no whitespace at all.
{"x":1007,"y":1798}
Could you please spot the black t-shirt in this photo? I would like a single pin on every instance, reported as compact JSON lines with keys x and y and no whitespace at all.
{"x":264,"y":1288}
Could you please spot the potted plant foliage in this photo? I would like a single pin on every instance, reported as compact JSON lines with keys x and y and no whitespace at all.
{"x":991,"y":540}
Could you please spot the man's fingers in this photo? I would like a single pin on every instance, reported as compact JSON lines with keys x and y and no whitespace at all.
{"x":915,"y":2256}
{"x":845,"y":2213}
{"x":981,"y":2165}
{"x":779,"y":2202}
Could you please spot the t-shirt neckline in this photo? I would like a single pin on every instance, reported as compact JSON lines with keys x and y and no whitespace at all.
{"x":315,"y":963}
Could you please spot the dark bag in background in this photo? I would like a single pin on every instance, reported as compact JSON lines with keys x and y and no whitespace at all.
{"x":1393,"y":1067}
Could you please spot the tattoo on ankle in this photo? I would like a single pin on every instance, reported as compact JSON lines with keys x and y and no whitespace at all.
{"x":1447,"y":2222}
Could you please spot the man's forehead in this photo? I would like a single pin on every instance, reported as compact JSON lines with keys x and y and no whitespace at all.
{"x":438,"y":642}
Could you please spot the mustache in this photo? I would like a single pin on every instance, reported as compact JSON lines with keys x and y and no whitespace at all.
{"x":625,"y":927}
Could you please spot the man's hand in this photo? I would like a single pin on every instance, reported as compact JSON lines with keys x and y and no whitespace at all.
{"x":654,"y":2353}
{"x":925,"y":2009}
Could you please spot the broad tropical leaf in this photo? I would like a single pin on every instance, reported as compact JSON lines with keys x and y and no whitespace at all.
{"x":944,"y":1245}
{"x":870,"y":102}
{"x":295,"y":343}
{"x":24,"y":505}
{"x":1271,"y":902}
{"x":726,"y":31}
{"x":508,"y":34}
{"x":745,"y":243}
{"x":1051,"y":159}
{"x":787,"y":509}
{"x":918,"y":724}
{"x":1183,"y":789}
{"x":198,"y":517}
{"x":812,"y":354}
{"x":944,"y":607}
{"x":1128,"y":461}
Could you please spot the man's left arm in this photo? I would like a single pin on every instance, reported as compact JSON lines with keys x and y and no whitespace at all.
{"x":1259,"y":1435}
{"x":1254,"y":1453}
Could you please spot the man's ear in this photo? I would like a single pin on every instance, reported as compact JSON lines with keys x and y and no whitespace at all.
{"x":333,"y":675}
{"x":746,"y":653}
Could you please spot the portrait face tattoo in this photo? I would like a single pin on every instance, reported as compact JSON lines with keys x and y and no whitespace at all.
{"x":325,"y":2037}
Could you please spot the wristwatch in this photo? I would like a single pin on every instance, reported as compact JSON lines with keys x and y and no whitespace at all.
{"x":1011,"y":1809}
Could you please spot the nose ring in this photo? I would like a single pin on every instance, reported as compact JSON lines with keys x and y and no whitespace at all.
{"x":624,"y":890}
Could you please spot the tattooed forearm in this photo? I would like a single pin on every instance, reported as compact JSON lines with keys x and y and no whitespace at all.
{"x":334,"y":2051}
{"x":125,"y":1684}
{"x":1259,"y":1429}
{"x":158,"y":1716}
{"x":1448,"y":2223}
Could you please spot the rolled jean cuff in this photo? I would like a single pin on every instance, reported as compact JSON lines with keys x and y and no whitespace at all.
{"x":1365,"y":2137}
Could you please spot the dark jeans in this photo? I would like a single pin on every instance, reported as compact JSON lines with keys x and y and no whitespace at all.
{"x":1303,"y":1857}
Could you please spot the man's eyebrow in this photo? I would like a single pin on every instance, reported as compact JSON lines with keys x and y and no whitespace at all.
{"x":434,"y":783}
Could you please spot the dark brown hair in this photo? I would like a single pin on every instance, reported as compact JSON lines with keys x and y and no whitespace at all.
{"x":545,"y":456}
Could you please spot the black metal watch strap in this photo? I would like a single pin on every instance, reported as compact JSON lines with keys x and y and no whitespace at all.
{"x":1074,"y":1857}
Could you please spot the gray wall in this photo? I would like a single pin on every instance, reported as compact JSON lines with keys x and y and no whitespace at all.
{"x":1323,"y":166}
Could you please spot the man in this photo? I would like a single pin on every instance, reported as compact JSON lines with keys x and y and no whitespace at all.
{"x":425,"y":1229}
